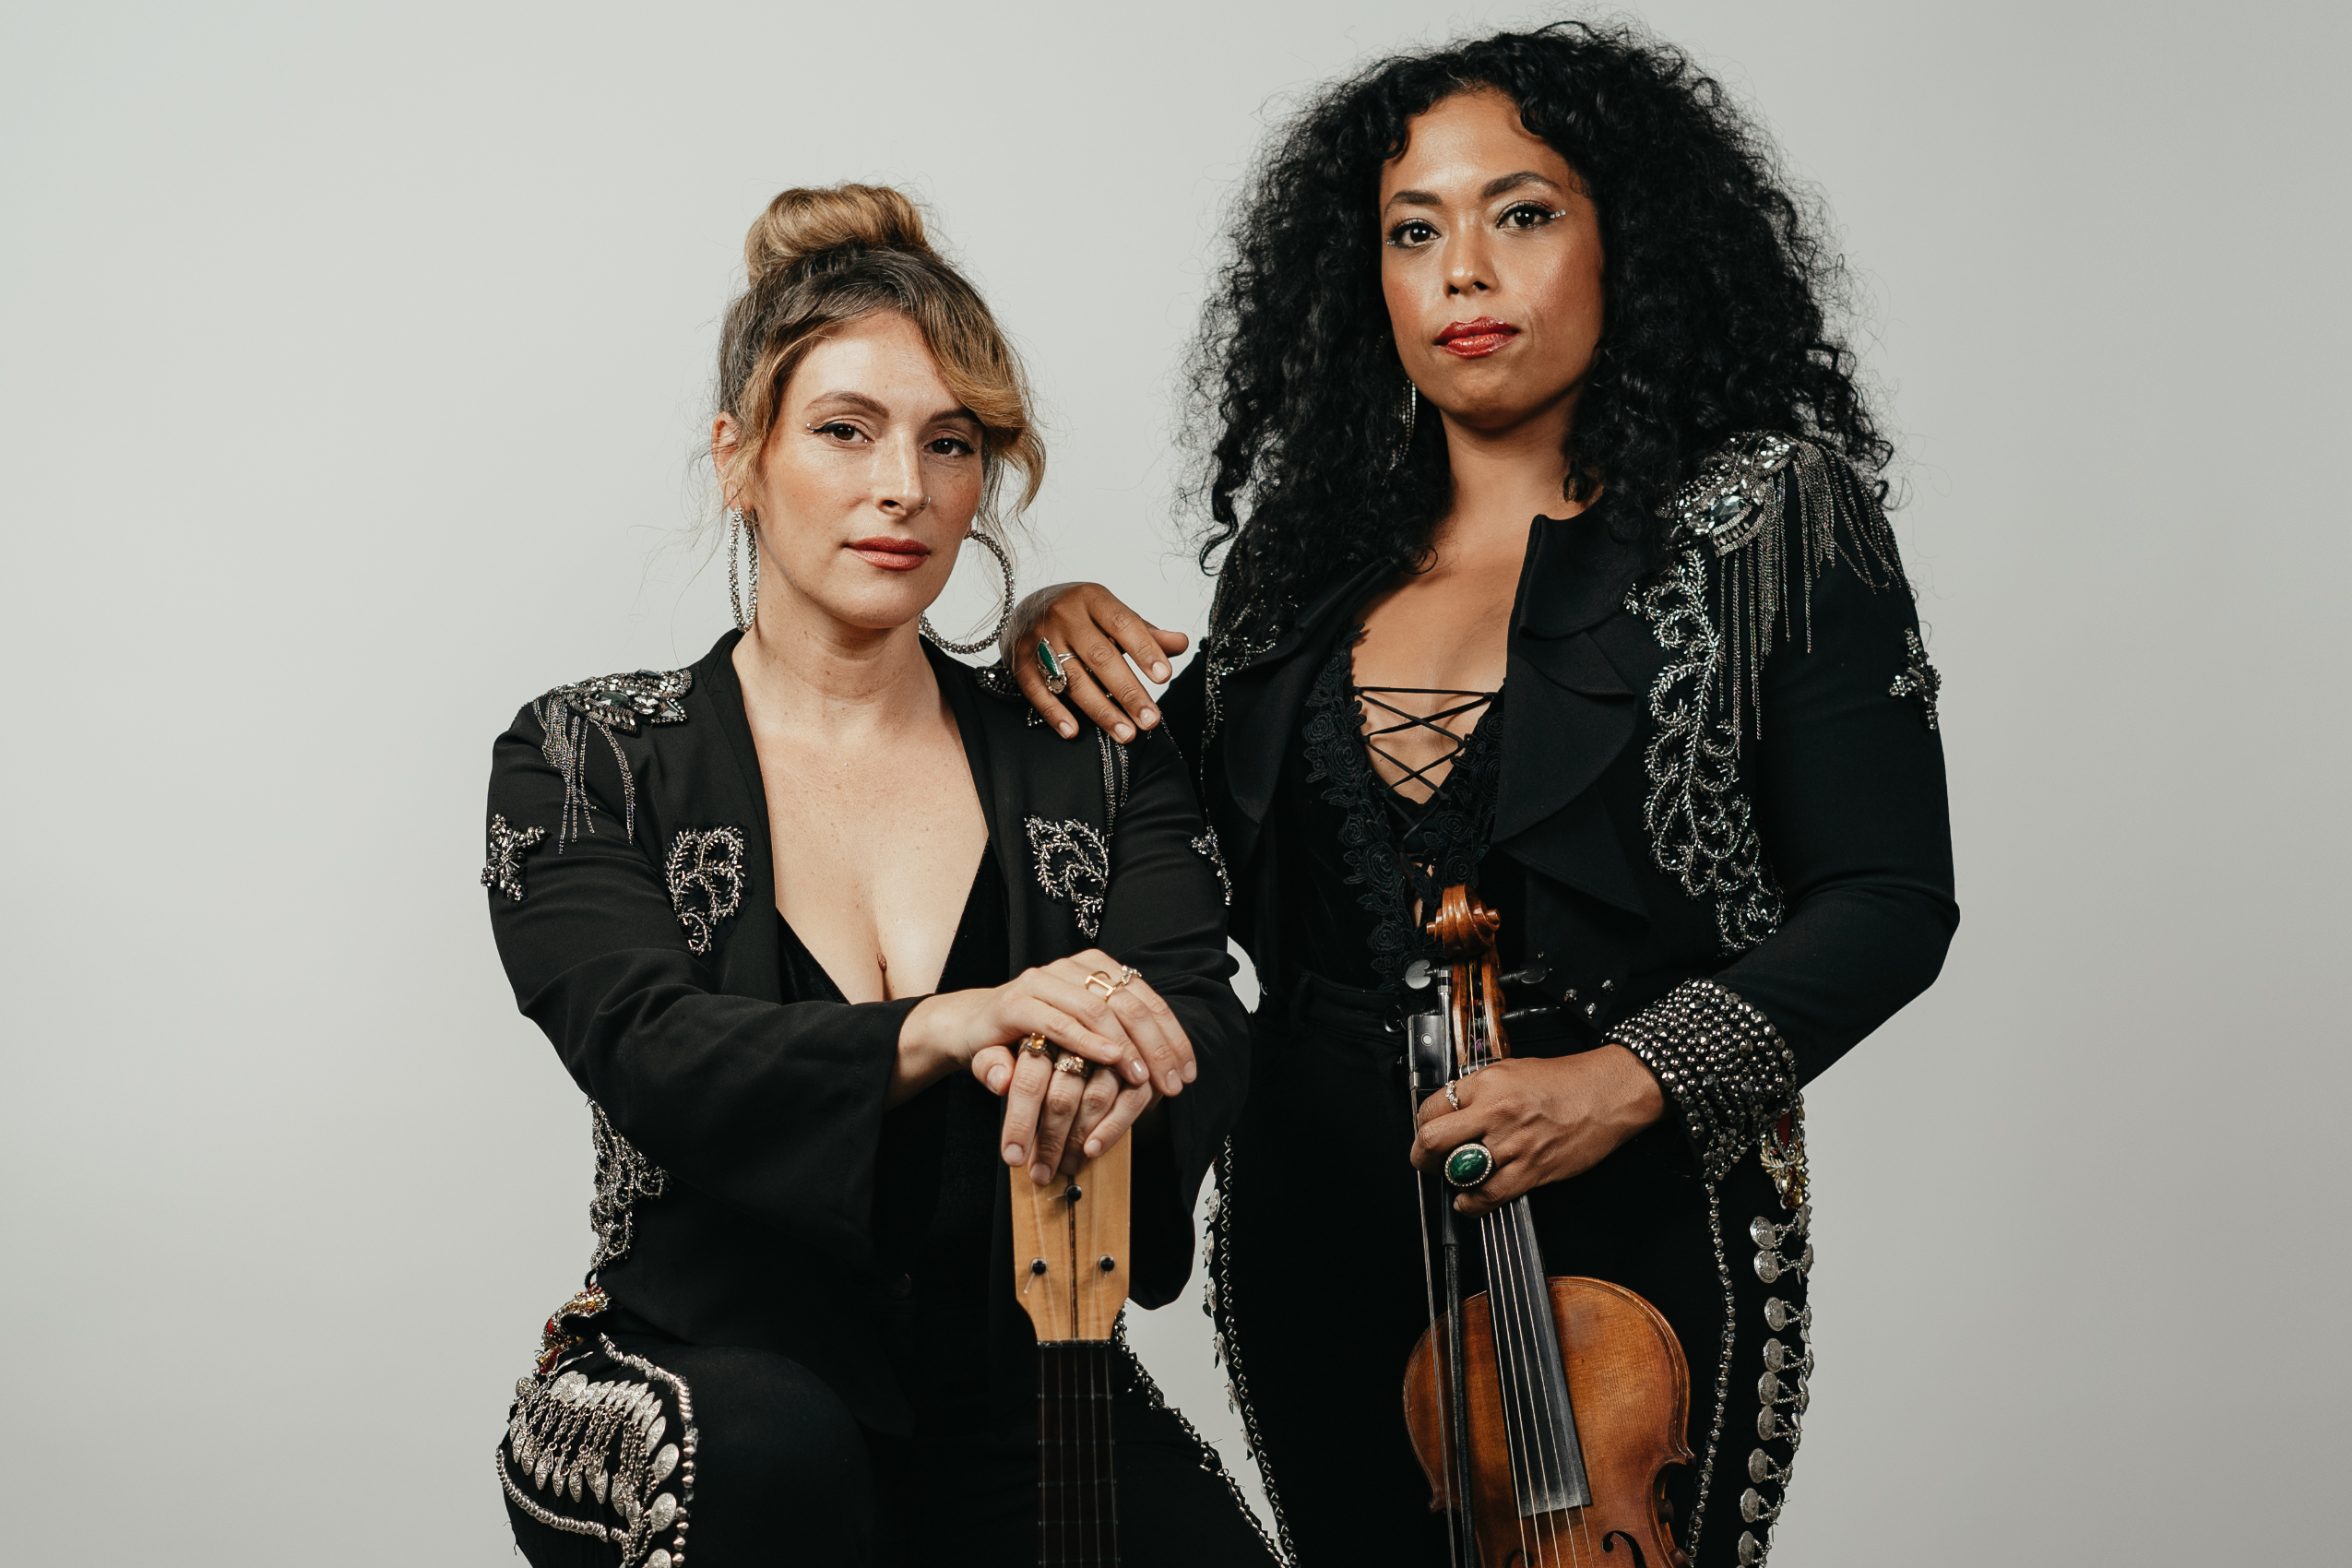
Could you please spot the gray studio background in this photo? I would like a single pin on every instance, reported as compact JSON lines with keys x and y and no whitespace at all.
{"x":351,"y":358}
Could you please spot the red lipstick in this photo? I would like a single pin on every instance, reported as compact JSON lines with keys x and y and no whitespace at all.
{"x":1475,"y":339}
{"x":890,"y":553}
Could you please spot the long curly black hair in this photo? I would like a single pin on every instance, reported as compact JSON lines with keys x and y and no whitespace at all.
{"x":1720,"y":287}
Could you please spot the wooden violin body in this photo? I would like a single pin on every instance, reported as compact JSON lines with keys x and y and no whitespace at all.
{"x":1631,"y":1389}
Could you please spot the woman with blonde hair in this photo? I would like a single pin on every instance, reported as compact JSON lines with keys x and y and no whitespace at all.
{"x":827,"y":934}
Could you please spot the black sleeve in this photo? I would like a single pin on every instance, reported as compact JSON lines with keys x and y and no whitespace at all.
{"x":1165,"y":915}
{"x":1851,"y":806}
{"x":1183,"y":707}
{"x":1851,"y":802}
{"x":774,"y":1108}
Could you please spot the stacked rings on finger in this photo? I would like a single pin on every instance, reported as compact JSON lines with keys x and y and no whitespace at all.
{"x":1071,"y":1062}
{"x":1033,"y":1045}
{"x":1057,"y":678}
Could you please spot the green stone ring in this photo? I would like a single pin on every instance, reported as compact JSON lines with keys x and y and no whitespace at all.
{"x":1057,"y":680}
{"x":1469,"y":1166}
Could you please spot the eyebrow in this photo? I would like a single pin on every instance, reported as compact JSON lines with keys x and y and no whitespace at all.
{"x":1493,"y":188}
{"x":859,"y":400}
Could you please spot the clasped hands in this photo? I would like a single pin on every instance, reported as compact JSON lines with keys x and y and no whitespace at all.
{"x":1054,"y":1121}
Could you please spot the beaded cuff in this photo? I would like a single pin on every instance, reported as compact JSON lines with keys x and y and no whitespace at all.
{"x":1721,"y":1061}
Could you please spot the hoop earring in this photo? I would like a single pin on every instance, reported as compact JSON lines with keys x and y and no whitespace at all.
{"x":1004,"y":611}
{"x":1408,"y":406}
{"x":738,"y":530}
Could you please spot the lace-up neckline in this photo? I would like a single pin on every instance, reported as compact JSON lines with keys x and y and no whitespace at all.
{"x":1431,"y":776}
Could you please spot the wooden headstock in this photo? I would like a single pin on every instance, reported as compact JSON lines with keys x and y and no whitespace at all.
{"x":1070,"y":1258}
{"x":1466,"y":930}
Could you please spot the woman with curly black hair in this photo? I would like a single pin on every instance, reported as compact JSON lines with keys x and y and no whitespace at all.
{"x":1554,"y":564}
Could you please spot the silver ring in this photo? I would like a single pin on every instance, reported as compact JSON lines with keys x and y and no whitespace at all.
{"x":1054,"y":667}
{"x":1451,"y":1097}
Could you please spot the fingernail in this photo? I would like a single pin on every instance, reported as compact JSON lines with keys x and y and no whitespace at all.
{"x":1149,"y":716}
{"x":1138,"y":1072}
{"x":1159,"y":672}
{"x":1094,"y":1148}
{"x":997,"y":1077}
{"x":1192,"y":1071}
{"x":1040,"y":1174}
{"x":1014,"y":1153}
{"x":1068,"y":730}
{"x":1125,"y":731}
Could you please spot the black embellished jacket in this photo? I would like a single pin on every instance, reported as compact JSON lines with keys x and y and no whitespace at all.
{"x":1721,"y":777}
{"x":633,"y":899}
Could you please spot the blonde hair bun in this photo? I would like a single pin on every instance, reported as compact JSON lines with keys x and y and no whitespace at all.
{"x":806,"y":223}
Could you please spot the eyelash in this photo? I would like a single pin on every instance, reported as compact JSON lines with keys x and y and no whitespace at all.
{"x":1544,"y":215}
{"x":842,"y":430}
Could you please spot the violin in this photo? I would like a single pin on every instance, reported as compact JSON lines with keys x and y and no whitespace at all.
{"x":1544,"y":1410}
{"x":1070,"y":1262}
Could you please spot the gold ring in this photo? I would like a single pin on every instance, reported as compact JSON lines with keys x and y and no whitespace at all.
{"x":1033,"y":1045}
{"x":1071,"y":1062}
{"x":1100,"y":981}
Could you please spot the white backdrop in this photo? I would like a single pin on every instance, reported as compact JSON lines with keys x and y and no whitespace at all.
{"x":353,"y":360}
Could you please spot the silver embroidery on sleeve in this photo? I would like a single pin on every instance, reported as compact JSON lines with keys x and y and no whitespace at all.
{"x":622,"y":1176}
{"x":1114,"y":779}
{"x":503,"y":871}
{"x":605,"y":704}
{"x":1073,"y":864}
{"x":1764,"y":518}
{"x":1723,"y":1063}
{"x":705,"y":876}
{"x":1918,"y":678}
{"x":1701,"y":824}
{"x":1206,"y":847}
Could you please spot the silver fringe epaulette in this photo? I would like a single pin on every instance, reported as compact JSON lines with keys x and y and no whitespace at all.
{"x":1756,"y":529}
{"x":605,"y":704}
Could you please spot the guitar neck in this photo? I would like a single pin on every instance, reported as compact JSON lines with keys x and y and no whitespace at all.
{"x":1077,"y":1496}
{"x":1070,"y":1267}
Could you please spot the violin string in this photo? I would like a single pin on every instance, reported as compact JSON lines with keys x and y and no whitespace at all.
{"x":1504,"y":1302}
{"x":1525,"y":1295}
{"x":1523,"y":1419}
{"x":1500,"y":1324}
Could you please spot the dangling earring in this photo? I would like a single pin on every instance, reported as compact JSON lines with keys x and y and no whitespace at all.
{"x":1408,"y":406}
{"x":739,"y":528}
{"x":1003,"y":611}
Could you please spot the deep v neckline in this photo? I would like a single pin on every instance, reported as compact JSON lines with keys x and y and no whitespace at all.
{"x":807,"y":979}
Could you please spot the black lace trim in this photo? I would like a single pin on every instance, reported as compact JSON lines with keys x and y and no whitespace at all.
{"x":1400,"y":855}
